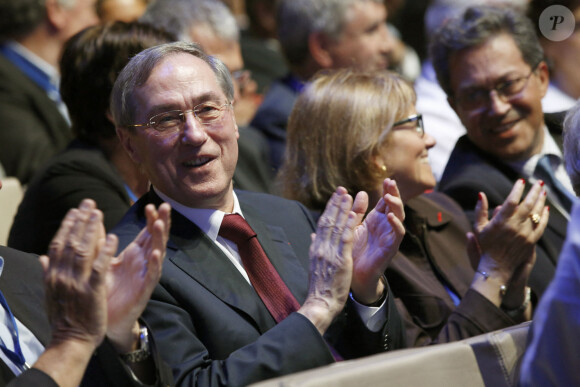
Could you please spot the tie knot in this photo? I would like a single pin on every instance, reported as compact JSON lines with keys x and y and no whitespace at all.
{"x":236,"y":229}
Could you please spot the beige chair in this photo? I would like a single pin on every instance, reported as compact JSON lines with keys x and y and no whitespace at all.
{"x":10,"y":196}
{"x":487,"y":360}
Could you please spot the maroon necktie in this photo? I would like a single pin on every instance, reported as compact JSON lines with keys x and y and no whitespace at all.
{"x":263,"y":276}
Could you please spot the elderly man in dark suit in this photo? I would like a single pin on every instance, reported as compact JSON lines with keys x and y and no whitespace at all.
{"x":218,"y":319}
{"x":490,"y":64}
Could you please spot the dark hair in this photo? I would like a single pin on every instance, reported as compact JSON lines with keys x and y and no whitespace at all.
{"x":90,"y":63}
{"x":19,"y":17}
{"x":476,"y":26}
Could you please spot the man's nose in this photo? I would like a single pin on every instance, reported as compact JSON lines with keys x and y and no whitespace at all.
{"x":194,"y":132}
{"x":497,"y":104}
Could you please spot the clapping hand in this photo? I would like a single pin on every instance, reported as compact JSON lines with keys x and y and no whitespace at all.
{"x":133,"y":276}
{"x":75,"y":276}
{"x":330,"y":261}
{"x":506,"y":243}
{"x":376,"y":241}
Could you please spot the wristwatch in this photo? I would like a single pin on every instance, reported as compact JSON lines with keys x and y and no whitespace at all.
{"x":517,"y":312}
{"x":143,"y":352}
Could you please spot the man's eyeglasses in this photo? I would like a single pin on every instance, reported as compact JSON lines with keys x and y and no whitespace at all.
{"x":478,"y":98}
{"x":419,"y":128}
{"x":206,"y":113}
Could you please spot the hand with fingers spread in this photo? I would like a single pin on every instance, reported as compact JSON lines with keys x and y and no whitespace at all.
{"x":89,"y":293}
{"x":133,"y":276}
{"x":76,"y":295}
{"x":75,"y":276}
{"x":506,"y":243}
{"x":330,"y":261}
{"x":377,"y":240}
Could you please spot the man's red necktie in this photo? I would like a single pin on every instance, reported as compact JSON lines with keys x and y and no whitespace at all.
{"x":263,"y":276}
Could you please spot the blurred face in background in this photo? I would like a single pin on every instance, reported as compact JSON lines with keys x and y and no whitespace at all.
{"x":365,"y":43}
{"x":509,"y":127}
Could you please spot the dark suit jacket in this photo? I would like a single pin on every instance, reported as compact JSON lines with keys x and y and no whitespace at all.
{"x":469,"y":171}
{"x":272,"y":118}
{"x":82,"y":171}
{"x":264,"y":58}
{"x":253,"y":171}
{"x":33,"y":129}
{"x":433,"y":252}
{"x":22,"y":285}
{"x":210,"y":324}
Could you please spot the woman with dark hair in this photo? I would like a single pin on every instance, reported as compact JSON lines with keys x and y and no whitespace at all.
{"x":94,"y":165}
{"x":357,"y":128}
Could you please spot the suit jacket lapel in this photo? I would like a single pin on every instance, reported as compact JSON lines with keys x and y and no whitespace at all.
{"x":199,"y":257}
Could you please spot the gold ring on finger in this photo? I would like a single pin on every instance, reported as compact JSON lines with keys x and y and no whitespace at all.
{"x":535,"y":218}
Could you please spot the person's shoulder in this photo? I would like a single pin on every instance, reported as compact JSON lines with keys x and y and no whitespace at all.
{"x":18,"y":264}
{"x":10,"y":254}
{"x":77,"y":159}
{"x":270,"y":206}
{"x":258,"y":199}
{"x":466,"y":165}
{"x":134,"y":220}
{"x":437,"y":201}
{"x":279,"y":99}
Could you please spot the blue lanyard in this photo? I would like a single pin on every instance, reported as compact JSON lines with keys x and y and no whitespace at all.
{"x":131,"y":194}
{"x":16,"y":356}
{"x":34,"y":73}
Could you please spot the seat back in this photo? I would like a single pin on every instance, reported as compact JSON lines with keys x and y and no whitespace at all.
{"x":489,"y":360}
{"x":10,"y":197}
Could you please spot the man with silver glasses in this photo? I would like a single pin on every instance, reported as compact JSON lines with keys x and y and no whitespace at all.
{"x":490,"y":64}
{"x":247,"y":292}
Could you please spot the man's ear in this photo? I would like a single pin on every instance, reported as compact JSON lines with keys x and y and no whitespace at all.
{"x":543,"y":77}
{"x":56,"y":14}
{"x":110,"y":117}
{"x":237,"y":130}
{"x":378,"y":161}
{"x":318,"y":44}
{"x":126,"y":140}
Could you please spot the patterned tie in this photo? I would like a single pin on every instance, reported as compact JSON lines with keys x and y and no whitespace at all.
{"x":545,"y":172}
{"x":263,"y":276}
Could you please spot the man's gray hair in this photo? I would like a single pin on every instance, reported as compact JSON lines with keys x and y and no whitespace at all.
{"x":476,"y":26}
{"x":180,"y":16}
{"x":140,"y":67}
{"x":297,"y":19}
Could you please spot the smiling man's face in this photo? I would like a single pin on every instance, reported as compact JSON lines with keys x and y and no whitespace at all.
{"x":508,"y":129}
{"x":195,"y":164}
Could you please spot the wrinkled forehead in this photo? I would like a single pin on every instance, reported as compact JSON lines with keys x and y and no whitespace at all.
{"x":179,"y":80}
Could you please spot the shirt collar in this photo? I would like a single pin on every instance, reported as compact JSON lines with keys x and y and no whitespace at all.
{"x":208,"y":220}
{"x":549,"y":147}
{"x":49,"y":70}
